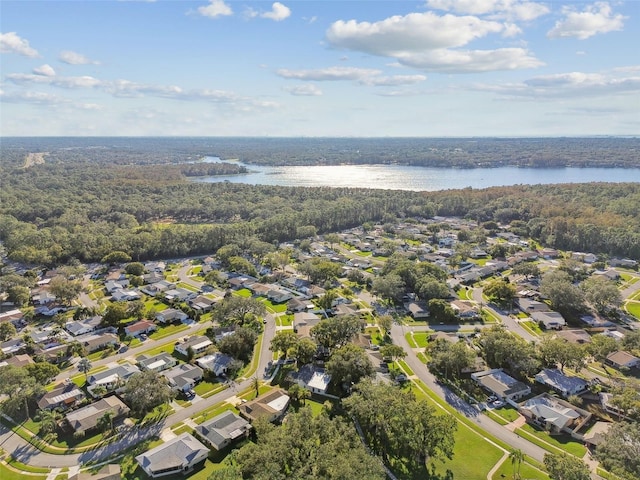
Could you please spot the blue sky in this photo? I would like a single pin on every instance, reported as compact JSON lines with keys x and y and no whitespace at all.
{"x":320,"y":68}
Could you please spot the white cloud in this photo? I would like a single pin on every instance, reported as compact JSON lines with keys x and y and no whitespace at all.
{"x":568,"y":85}
{"x":393,"y":80}
{"x":128,"y":89}
{"x":329,"y":74}
{"x":278,"y":12}
{"x":74,"y":58}
{"x":10,"y":42}
{"x":216,"y":8}
{"x":429,"y":41}
{"x":46,"y":70}
{"x":308,"y":90}
{"x":511,"y":9}
{"x":596,"y":18}
{"x":44,"y":99}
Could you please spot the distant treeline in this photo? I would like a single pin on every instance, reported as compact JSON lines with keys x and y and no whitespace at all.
{"x":430,"y":152}
{"x":54,"y":212}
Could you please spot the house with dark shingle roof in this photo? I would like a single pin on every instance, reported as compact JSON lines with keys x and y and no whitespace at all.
{"x":176,"y":457}
{"x":223,"y":429}
{"x":86,"y":418}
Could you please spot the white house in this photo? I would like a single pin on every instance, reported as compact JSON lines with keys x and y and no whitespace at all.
{"x":197,"y":343}
{"x":561,"y":383}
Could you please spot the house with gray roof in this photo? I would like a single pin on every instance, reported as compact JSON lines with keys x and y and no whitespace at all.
{"x":183,"y":377}
{"x":176,"y":457}
{"x":112,"y":376}
{"x":553,"y":414}
{"x":217,"y":363}
{"x":157,"y":363}
{"x":86,"y":418}
{"x":561,"y":383}
{"x":81,"y":327}
{"x":223,"y":429}
{"x":313,"y":379}
{"x":197,"y":343}
{"x":501,"y":384}
{"x":550,"y":320}
{"x":61,"y":397}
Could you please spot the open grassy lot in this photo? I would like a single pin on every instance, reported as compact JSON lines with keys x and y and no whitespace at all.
{"x":168,"y":330}
{"x":633,"y":308}
{"x":562,"y":442}
{"x":244,"y":292}
{"x":526,"y":472}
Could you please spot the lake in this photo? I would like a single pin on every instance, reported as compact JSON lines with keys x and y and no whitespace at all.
{"x":399,"y":177}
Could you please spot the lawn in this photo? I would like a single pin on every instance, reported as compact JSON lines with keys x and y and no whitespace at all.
{"x":7,"y":473}
{"x":244,"y":292}
{"x":284,"y":320}
{"x":168,"y":330}
{"x":633,"y":308}
{"x":562,"y":442}
{"x":421,"y":339}
{"x":485,"y":456}
{"x":167,"y":347}
{"x":274,"y":307}
{"x":188,"y":286}
{"x":465,"y":294}
{"x":206,"y":389}
{"x":157,"y":305}
{"x":508,"y":413}
{"x":531,"y":327}
{"x":526,"y":471}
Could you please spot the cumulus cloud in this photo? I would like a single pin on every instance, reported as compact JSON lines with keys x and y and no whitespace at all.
{"x":215,"y":9}
{"x":74,"y":58}
{"x":393,"y":80}
{"x":431,"y":42}
{"x":46,"y":70}
{"x":512,"y":9}
{"x":567,"y":85}
{"x":596,"y":18}
{"x":10,"y":42}
{"x":308,"y":90}
{"x":278,"y":12}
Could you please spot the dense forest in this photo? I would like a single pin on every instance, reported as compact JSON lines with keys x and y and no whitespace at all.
{"x":430,"y":152}
{"x":75,"y":207}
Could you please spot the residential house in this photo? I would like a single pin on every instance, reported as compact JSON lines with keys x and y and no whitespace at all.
{"x":575,"y":335}
{"x":584,"y":257}
{"x":501,"y":384}
{"x":183,"y":377}
{"x":156,"y":288}
{"x":549,"y":320}
{"x":622,"y":359}
{"x":179,"y":295}
{"x":605,"y":401}
{"x":138,"y":328}
{"x":223,"y":429}
{"x":553,"y":414}
{"x":125,"y":295}
{"x":86,"y":418}
{"x":176,"y":457}
{"x":561,"y":383}
{"x":62,"y":397}
{"x":220,"y":332}
{"x":157,"y":363}
{"x":113,"y":285}
{"x":203,"y":304}
{"x":260,"y":289}
{"x":279,"y":296}
{"x":42,"y":297}
{"x":549,"y":253}
{"x":298,"y":305}
{"x":14,"y":316}
{"x":272,"y":406}
{"x":610,"y":274}
{"x":197,"y":343}
{"x":312,"y":378}
{"x":171,"y":315}
{"x":217,"y":363}
{"x":597,"y":433}
{"x":12,"y":346}
{"x":94,"y":342}
{"x":157,"y":267}
{"x":303,"y":322}
{"x":465,"y":310}
{"x":529,"y":306}
{"x":82,"y":327}
{"x":417,"y":310}
{"x":152,"y":278}
{"x":623,"y":262}
{"x":617,"y":335}
{"x":113,"y":376}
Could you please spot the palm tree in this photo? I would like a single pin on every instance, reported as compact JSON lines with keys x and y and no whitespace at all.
{"x":304,"y":395}
{"x":106,"y":420}
{"x":516,"y":457}
{"x":48,"y":422}
{"x":84,"y":365}
{"x":255,"y":384}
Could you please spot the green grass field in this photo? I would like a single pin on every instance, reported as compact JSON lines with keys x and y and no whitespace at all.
{"x":633,"y":308}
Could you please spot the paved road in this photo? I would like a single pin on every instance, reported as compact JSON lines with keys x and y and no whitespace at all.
{"x":493,"y":428}
{"x":512,"y":324}
{"x":29,"y":455}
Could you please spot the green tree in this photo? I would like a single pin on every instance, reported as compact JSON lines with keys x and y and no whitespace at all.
{"x":449,"y":358}
{"x":441,"y":311}
{"x":238,"y":310}
{"x":146,"y":390}
{"x":21,"y":389}
{"x":429,"y":287}
{"x":213,"y":278}
{"x":500,"y":292}
{"x":19,"y":295}
{"x":528,"y":269}
{"x":336,"y":331}
{"x":566,"y":467}
{"x":565,"y":297}
{"x":239,"y":344}
{"x":43,"y":372}
{"x":516,"y":457}
{"x":65,"y":290}
{"x":619,"y":450}
{"x":116,"y":257}
{"x":134,"y":268}
{"x":305,"y":351}
{"x":308,"y":447}
{"x":398,"y":426}
{"x":390,"y":287}
{"x":394,"y":352}
{"x":348,"y":365}
{"x":115,"y":312}
{"x":555,"y":351}
{"x":385,"y":322}
{"x":320,"y":270}
{"x":284,"y":341}
{"x":105,"y":422}
{"x":601,"y":346}
{"x":48,"y":422}
{"x":84,"y":365}
{"x":7,"y":331}
{"x":602,"y":293}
